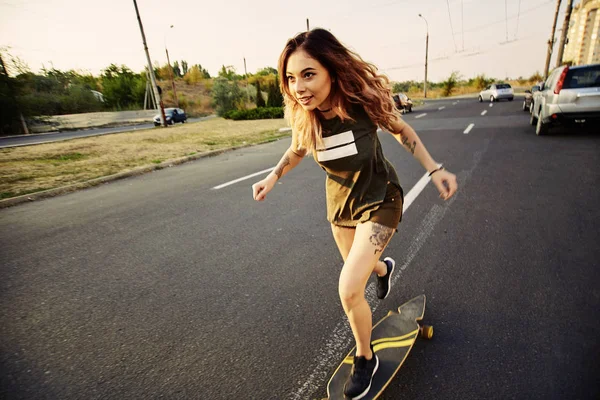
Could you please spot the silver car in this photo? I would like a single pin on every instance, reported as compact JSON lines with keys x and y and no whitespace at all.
{"x":570,"y":96}
{"x":497,"y":91}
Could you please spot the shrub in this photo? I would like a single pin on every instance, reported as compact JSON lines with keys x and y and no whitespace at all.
{"x":226,"y":95}
{"x":255,"y":113}
{"x":450,"y":84}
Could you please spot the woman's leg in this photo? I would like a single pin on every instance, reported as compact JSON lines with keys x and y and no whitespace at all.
{"x":344,"y":237}
{"x":370,"y":239}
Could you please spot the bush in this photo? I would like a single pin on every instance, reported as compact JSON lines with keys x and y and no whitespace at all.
{"x":226,"y":95}
{"x":255,"y":113}
{"x":450,"y":84}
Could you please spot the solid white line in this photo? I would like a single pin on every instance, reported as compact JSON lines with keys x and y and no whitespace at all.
{"x":244,"y":178}
{"x":415,"y":191}
{"x":484,"y":112}
{"x":469,"y":128}
{"x":442,"y":107}
{"x":421,"y":115}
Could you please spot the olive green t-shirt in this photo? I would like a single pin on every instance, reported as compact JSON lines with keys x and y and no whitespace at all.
{"x":357,"y":171}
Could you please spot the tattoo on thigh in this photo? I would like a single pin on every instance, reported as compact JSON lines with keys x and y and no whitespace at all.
{"x":380,"y":236}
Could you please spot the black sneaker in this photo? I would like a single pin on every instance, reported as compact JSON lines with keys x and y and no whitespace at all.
{"x":359,"y":382}
{"x":384,"y":283}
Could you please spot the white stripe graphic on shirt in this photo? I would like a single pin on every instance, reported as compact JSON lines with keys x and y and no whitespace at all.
{"x":338,"y":152}
{"x":337,"y":140}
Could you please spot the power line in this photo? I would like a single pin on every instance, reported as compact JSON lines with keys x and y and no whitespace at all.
{"x":518,"y":15}
{"x":451,"y":27}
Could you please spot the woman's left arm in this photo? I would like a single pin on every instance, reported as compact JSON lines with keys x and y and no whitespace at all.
{"x":443,"y":180}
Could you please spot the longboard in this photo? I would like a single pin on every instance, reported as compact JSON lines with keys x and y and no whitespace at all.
{"x":392,"y":337}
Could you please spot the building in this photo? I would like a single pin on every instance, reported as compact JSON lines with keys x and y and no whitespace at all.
{"x":584,"y":34}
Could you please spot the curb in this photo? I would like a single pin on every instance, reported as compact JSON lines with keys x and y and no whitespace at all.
{"x":13,"y":201}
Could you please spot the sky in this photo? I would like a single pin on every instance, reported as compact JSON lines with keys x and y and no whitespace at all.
{"x":498,"y":38}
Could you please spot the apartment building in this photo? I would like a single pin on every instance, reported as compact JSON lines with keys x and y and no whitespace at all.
{"x":584,"y":34}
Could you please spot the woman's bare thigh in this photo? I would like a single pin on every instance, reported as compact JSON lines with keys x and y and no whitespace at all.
{"x":344,"y":237}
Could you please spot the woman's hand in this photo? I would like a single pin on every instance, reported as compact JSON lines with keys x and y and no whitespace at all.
{"x":261,"y":188}
{"x":445,"y":182}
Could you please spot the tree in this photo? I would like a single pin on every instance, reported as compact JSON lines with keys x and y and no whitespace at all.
{"x":227,"y":95}
{"x":184,"y":67}
{"x":176,"y":70}
{"x":274,"y":98}
{"x":227,"y":72}
{"x":260,"y":101}
{"x":122,"y":88}
{"x":266,"y":71}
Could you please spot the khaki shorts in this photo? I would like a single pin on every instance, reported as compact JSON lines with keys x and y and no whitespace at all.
{"x":390,"y":212}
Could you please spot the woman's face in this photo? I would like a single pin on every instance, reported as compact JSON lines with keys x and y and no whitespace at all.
{"x":308,"y":81}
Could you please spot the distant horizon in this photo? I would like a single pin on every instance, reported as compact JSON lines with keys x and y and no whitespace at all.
{"x":511,"y":43}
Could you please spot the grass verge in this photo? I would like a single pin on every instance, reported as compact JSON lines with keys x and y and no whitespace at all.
{"x":31,"y":169}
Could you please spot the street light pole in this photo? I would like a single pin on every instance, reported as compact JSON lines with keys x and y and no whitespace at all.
{"x":171,"y":71}
{"x":163,"y":120}
{"x":426,"y":54}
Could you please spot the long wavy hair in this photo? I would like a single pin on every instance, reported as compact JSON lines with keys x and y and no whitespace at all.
{"x":354,"y":81}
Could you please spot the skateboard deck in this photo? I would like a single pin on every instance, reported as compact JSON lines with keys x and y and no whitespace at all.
{"x":392,"y":337}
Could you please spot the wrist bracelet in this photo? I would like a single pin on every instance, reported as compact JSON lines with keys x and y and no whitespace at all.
{"x":436,"y":170}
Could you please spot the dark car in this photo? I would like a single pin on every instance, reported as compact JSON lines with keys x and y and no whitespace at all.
{"x":172,"y":115}
{"x":529,"y":97}
{"x":403,"y":102}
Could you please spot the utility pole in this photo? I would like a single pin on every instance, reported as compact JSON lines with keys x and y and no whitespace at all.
{"x":426,"y":54}
{"x":163,"y":120}
{"x":307,"y":25}
{"x":551,"y":41}
{"x":171,"y":73}
{"x":563,"y":35}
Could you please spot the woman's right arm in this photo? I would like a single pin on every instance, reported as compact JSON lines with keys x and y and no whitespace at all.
{"x":288,"y":162}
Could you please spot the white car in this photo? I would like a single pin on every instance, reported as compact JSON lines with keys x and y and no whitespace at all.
{"x":570,"y":97}
{"x":496,"y":92}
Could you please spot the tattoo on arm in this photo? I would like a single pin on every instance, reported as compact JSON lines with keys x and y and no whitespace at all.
{"x":285,"y":161}
{"x":380,"y":236}
{"x":410,"y":147}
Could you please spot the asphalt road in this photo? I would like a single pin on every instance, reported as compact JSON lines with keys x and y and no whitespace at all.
{"x":28,"y":140}
{"x":161,"y":287}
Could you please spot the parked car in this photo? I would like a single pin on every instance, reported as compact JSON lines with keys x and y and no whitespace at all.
{"x":403,"y":102}
{"x":569,"y":97}
{"x":496,"y":92}
{"x":529,"y":97}
{"x":172,"y":115}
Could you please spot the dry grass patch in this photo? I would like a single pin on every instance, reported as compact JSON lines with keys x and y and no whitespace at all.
{"x":31,"y":169}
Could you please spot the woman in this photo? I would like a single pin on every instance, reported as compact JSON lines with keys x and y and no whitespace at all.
{"x":334,"y":102}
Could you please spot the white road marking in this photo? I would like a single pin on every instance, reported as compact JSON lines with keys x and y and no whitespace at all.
{"x":454,"y":103}
{"x":243,"y":178}
{"x":442,"y":107}
{"x":421,"y":115}
{"x":469,"y":128}
{"x":491,"y":105}
{"x":484,"y":112}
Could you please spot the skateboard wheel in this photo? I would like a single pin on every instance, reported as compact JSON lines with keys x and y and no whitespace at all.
{"x":427,"y":331}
